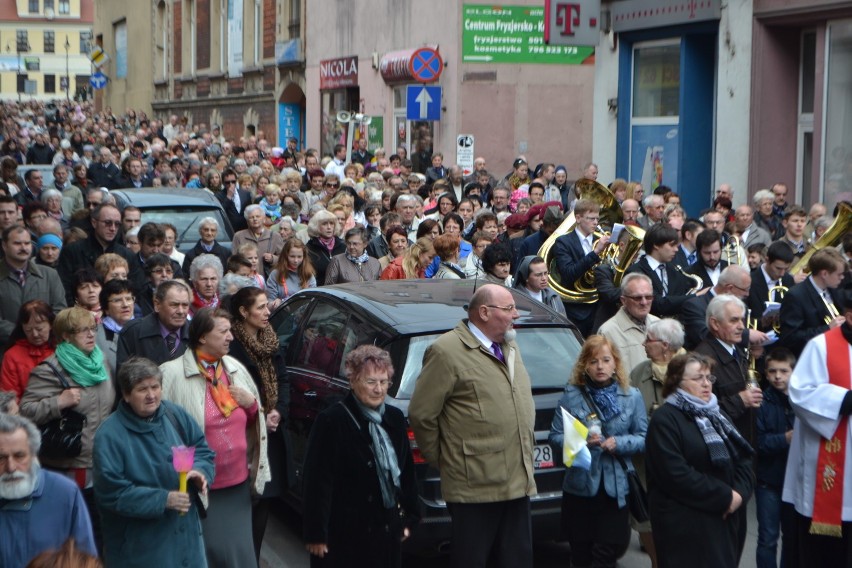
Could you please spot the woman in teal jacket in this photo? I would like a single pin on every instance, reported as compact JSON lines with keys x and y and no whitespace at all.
{"x":146,"y":520}
{"x":595,"y":515}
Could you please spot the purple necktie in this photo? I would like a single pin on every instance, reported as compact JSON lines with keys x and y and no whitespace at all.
{"x":495,"y":348}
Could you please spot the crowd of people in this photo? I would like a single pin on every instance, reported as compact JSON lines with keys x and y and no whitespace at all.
{"x":105,"y":321}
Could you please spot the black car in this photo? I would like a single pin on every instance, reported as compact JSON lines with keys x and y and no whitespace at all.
{"x":184,"y":208}
{"x":319,"y":326}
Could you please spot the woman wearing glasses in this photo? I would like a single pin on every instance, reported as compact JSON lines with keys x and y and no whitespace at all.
{"x":595,"y":515}
{"x":360,"y":498}
{"x":75,"y":377}
{"x":699,"y":471}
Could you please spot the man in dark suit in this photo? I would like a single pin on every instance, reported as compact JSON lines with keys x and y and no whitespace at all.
{"x":162,"y":335}
{"x":361,"y":155}
{"x":686,"y":254}
{"x":104,"y":172}
{"x":133,"y":176}
{"x":234,"y":200}
{"x":151,"y":237}
{"x":735,"y":280}
{"x":808,"y":309}
{"x":709,"y":265}
{"x":575,"y":254}
{"x":771,"y":273}
{"x":671,"y":287}
{"x":725,"y":316}
{"x":208,"y":229}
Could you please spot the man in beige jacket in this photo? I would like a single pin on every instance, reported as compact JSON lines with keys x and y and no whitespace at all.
{"x":472,"y":413}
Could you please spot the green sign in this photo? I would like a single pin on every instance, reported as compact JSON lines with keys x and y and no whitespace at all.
{"x":512,"y":34}
{"x":376,"y":134}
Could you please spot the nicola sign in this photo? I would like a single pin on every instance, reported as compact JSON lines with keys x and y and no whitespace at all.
{"x":339,"y":73}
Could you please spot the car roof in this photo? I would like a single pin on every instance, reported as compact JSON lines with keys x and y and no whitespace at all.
{"x":412,"y":307}
{"x":154,"y":197}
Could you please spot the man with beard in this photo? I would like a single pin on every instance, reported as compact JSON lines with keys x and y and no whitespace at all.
{"x":39,"y":509}
{"x":709,"y":264}
{"x":489,"y":504}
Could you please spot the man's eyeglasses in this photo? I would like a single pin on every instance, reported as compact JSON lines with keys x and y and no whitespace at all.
{"x":230,"y":182}
{"x":640,"y":298}
{"x":508,"y":309}
{"x":110,"y":223}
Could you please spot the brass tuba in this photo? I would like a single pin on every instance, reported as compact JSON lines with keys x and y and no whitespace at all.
{"x":583,"y":290}
{"x":831,"y":238}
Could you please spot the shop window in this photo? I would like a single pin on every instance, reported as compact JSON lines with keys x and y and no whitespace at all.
{"x":334,"y":131}
{"x":838,"y":113}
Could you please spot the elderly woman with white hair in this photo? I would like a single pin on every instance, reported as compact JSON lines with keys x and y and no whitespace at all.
{"x":208,"y":229}
{"x":205,"y":273}
{"x":764,"y":217}
{"x":663,"y":340}
{"x":52,"y":201}
{"x":324,"y":242}
{"x":268,"y":244}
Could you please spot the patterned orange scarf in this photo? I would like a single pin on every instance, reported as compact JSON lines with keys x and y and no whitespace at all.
{"x":218,"y":389}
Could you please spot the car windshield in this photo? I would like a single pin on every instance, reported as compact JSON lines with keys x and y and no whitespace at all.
{"x":546,"y":372}
{"x":186,"y":221}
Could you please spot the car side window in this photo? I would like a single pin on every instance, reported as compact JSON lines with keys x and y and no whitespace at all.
{"x":319,"y":347}
{"x":287,"y":323}
{"x":355,"y":334}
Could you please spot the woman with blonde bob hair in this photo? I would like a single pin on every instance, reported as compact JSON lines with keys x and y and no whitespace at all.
{"x":324,"y":243}
{"x":595,"y":516}
{"x":413,"y":263}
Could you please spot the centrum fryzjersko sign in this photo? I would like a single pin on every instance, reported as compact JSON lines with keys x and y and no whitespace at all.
{"x":512,"y":34}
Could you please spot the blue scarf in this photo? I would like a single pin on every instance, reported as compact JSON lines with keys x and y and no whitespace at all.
{"x":606,"y":399}
{"x":358,"y":259}
{"x":386,"y":458}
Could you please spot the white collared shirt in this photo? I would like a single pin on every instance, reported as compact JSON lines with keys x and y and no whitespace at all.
{"x":477,"y":333}
{"x":714,"y":274}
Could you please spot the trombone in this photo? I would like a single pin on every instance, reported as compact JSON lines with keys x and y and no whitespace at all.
{"x":780,"y":291}
{"x":753,"y":377}
{"x":732,"y":251}
{"x":833,"y":312}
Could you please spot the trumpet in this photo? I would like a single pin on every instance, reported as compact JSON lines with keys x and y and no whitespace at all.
{"x":753,"y":377}
{"x":699,"y":283}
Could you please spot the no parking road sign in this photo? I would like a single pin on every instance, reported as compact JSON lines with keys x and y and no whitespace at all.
{"x":426,"y":65}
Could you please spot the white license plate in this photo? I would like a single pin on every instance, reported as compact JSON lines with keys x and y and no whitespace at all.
{"x":543,"y":456}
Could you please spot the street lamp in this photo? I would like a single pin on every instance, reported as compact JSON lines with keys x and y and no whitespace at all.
{"x":67,"y":78}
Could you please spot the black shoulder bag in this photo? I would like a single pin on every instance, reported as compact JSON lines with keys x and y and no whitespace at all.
{"x":62,"y":438}
{"x":637,"y":497}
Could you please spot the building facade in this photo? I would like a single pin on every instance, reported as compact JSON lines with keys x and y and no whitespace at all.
{"x":499,"y":83}
{"x":673,"y":95}
{"x":234,"y":63}
{"x":44,"y":46}
{"x":801,"y":119}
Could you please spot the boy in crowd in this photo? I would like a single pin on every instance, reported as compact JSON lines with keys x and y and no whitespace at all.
{"x":774,"y":431}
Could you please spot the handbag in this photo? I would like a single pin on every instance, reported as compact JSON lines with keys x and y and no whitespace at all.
{"x":637,"y":497}
{"x":62,"y":438}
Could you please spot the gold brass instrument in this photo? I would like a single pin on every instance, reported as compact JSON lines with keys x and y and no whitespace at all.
{"x":831,"y":238}
{"x":583,"y":290}
{"x":732,"y":251}
{"x":753,"y":378}
{"x":833,"y":312}
{"x":699,"y":283}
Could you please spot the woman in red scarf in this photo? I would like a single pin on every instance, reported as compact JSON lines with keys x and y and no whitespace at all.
{"x":205,"y":272}
{"x":220,"y":395}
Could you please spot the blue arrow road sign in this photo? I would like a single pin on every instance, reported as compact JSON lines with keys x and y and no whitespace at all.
{"x":98,"y":80}
{"x":424,"y":103}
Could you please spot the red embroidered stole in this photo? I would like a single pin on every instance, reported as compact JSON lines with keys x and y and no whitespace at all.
{"x":831,"y":460}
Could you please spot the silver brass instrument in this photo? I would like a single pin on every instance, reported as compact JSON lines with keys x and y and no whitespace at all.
{"x":583,"y":290}
{"x":699,"y":283}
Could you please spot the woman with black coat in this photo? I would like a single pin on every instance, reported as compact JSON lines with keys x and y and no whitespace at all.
{"x":699,"y":472}
{"x":257,"y":347}
{"x":360,"y":495}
